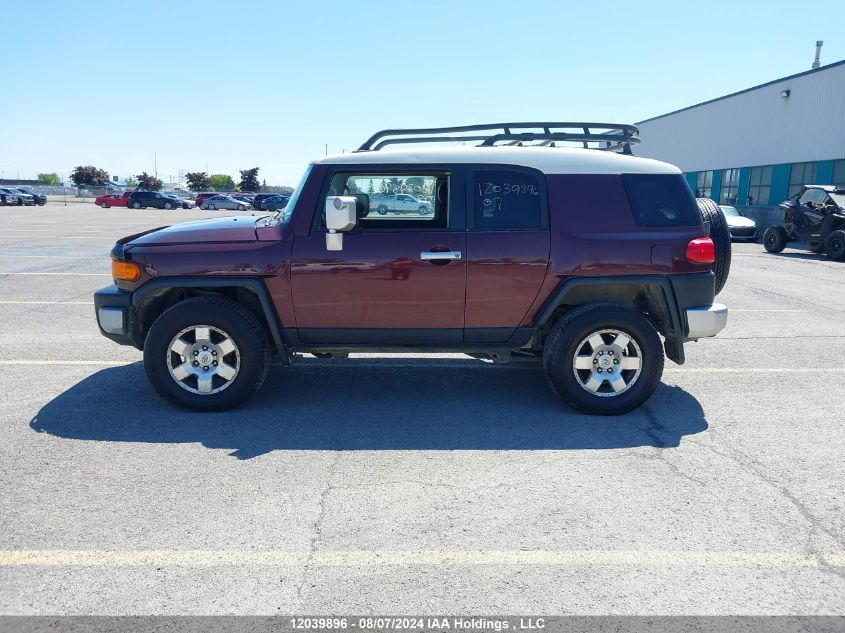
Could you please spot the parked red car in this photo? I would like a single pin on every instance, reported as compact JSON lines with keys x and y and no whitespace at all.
{"x":113,"y":200}
{"x":202,"y":196}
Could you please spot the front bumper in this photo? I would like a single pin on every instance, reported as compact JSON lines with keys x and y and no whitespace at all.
{"x":706,"y":321}
{"x":113,"y":308}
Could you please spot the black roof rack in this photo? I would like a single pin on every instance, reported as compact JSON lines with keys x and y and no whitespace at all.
{"x":605,"y":136}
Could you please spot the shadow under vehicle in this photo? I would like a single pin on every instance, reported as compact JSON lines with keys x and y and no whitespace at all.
{"x":376,"y":405}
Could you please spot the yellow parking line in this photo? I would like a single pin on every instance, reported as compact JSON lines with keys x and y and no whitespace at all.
{"x":366,"y":558}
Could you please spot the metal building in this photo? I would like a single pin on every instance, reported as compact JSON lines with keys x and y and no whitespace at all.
{"x":755,"y":148}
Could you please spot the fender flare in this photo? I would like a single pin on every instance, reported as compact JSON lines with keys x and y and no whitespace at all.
{"x":156,"y":287}
{"x":658,"y":288}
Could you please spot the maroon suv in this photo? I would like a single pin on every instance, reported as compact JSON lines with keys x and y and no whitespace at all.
{"x":578,"y":257}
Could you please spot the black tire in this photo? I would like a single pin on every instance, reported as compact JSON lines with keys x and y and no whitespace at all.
{"x":168,"y":206}
{"x":775,"y":239}
{"x":211,"y":207}
{"x":104,"y":205}
{"x":241,"y":207}
{"x":816,"y":247}
{"x":229,"y":317}
{"x":565,"y":342}
{"x":135,"y":205}
{"x":834,"y":245}
{"x":382,"y":210}
{"x":721,"y":236}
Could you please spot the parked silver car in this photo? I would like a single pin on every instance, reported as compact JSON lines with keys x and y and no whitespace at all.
{"x":10,"y":195}
{"x":223,"y":202}
{"x":741,"y":228}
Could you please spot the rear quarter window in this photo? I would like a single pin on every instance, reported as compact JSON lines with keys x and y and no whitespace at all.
{"x":661,"y":200}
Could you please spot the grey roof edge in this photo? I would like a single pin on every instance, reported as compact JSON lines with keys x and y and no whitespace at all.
{"x":734,"y":94}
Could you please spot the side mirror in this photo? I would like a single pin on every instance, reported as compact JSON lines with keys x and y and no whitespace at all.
{"x":341,"y":216}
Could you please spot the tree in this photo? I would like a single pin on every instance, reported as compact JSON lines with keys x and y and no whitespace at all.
{"x":221,"y":182}
{"x":198,"y":181}
{"x":249,"y":180}
{"x":148,"y":183}
{"x":89,"y":175}
{"x":131,"y":182}
{"x":50,"y":180}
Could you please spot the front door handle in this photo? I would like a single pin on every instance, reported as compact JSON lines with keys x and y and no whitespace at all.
{"x":434,"y":255}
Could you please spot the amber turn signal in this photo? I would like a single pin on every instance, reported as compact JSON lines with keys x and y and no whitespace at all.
{"x":125,"y":271}
{"x":701,"y":250}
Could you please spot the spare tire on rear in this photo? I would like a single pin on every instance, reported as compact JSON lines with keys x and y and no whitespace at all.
{"x":721,"y":236}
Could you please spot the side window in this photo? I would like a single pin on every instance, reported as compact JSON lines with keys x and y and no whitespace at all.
{"x":396,"y":200}
{"x":506,"y":199}
{"x":661,"y":200}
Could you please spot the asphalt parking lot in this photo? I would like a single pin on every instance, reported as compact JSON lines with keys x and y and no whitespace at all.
{"x":411,"y":485}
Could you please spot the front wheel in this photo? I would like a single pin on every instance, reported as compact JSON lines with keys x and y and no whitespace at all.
{"x":135,"y":205}
{"x":104,"y":205}
{"x":775,"y":239}
{"x":603,"y":359}
{"x":168,"y":206}
{"x":834,"y":245}
{"x":241,"y":207}
{"x":206,"y":354}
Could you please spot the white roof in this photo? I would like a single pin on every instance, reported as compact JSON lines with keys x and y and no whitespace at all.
{"x":549,"y":160}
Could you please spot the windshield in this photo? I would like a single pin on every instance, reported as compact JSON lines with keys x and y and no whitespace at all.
{"x":729,"y":211}
{"x":287,"y":212}
{"x":839,"y":199}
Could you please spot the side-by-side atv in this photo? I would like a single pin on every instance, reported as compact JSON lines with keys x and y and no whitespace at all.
{"x":815,"y":215}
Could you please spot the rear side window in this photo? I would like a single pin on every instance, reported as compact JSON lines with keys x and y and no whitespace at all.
{"x":661,"y":200}
{"x":506,"y":199}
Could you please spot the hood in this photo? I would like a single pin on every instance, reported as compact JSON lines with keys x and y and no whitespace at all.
{"x":239,"y":229}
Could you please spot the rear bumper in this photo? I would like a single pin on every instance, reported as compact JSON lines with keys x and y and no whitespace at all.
{"x":113,"y":308}
{"x":706,"y":321}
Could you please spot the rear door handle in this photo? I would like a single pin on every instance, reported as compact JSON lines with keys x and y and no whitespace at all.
{"x":432,"y":255}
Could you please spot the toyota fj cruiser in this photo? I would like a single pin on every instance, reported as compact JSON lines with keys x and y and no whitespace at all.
{"x":577,"y":257}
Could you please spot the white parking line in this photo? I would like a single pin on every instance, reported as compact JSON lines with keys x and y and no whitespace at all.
{"x":67,"y":362}
{"x":367,"y":558}
{"x":386,"y":363}
{"x":733,"y":311}
{"x":40,"y":303}
{"x":61,"y":273}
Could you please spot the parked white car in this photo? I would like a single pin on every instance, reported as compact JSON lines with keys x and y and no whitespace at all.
{"x":741,"y":228}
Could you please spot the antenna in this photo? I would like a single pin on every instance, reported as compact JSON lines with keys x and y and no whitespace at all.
{"x":818,"y":53}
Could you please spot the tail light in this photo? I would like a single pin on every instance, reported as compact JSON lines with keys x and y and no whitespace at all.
{"x":701,"y":250}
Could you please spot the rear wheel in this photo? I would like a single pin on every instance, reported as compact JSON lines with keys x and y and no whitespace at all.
{"x":603,"y":359}
{"x":835,"y":245}
{"x":382,"y":209}
{"x":775,"y":239}
{"x":721,"y":236}
{"x":168,"y":206}
{"x":211,"y":207}
{"x":241,"y":207}
{"x":206,"y":354}
{"x":135,"y":205}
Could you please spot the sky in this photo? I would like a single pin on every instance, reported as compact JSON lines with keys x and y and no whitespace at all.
{"x":223,"y":86}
